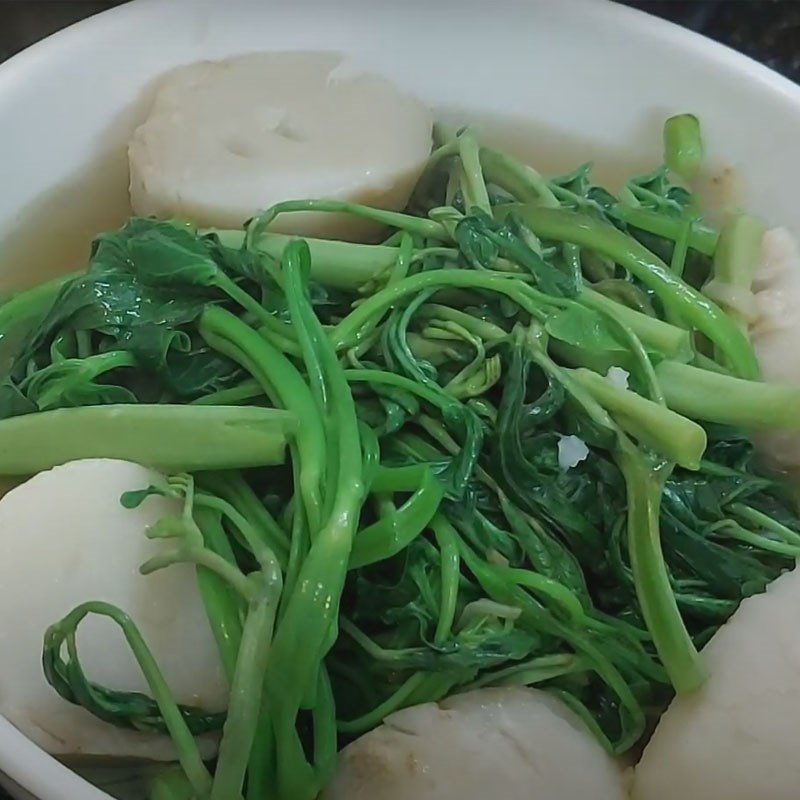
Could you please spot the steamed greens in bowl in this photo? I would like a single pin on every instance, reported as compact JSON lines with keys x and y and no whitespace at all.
{"x":507,"y":446}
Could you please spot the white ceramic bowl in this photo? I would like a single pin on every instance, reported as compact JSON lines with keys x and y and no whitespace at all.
{"x":569,"y":81}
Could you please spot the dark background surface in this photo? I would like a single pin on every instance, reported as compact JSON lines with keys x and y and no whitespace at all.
{"x":768,"y":30}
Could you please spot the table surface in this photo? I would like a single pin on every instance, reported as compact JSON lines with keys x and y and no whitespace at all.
{"x":764,"y":29}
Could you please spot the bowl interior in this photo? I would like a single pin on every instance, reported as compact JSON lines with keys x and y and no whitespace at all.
{"x":559,"y":83}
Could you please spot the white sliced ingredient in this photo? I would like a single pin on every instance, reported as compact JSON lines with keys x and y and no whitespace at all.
{"x":776,"y":331}
{"x":736,"y":738}
{"x":514,"y":744}
{"x":571,"y":451}
{"x":483,"y":608}
{"x":229,"y":138}
{"x":618,"y":377}
{"x":66,"y":539}
{"x":737,"y":298}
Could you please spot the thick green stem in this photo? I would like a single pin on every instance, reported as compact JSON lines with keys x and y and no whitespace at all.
{"x":474,"y":185}
{"x":521,"y":180}
{"x":246,"y":688}
{"x":702,"y":239}
{"x":171,"y":438}
{"x":388,"y":536}
{"x":284,"y":384}
{"x":683,"y":145}
{"x":342,"y":265}
{"x":668,"y":433}
{"x":735,"y":264}
{"x":27,"y":305}
{"x":305,"y":631}
{"x":645,"y":483}
{"x":417,"y":225}
{"x":450,"y":576}
{"x":714,"y":397}
{"x":222,"y":606}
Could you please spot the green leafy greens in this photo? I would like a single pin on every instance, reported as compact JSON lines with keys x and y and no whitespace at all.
{"x":428,"y":532}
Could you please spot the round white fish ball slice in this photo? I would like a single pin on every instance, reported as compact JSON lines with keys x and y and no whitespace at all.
{"x":65,"y":539}
{"x":229,"y":138}
{"x":514,"y":744}
{"x":736,"y":738}
{"x":776,"y":332}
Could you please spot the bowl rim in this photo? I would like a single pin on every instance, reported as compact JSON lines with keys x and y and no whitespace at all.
{"x":636,"y":20}
{"x":36,"y":771}
{"x":21,"y":760}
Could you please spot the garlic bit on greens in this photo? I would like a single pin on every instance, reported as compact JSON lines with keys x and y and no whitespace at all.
{"x":425,"y":535}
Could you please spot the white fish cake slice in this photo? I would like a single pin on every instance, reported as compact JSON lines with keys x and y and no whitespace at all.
{"x":514,"y":744}
{"x":229,"y":138}
{"x":736,"y":738}
{"x":66,"y":539}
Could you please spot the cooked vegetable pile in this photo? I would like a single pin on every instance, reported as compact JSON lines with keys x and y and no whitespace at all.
{"x":515,"y":452}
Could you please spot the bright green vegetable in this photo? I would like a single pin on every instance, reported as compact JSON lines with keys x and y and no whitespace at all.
{"x":645,"y":482}
{"x":67,"y":676}
{"x":431,"y":530}
{"x":25,"y":306}
{"x":714,"y":397}
{"x":674,"y":342}
{"x":168,"y":437}
{"x":683,"y":145}
{"x":700,"y":238}
{"x":676,"y":295}
{"x":343,"y":265}
{"x":735,"y":262}
{"x":660,"y":429}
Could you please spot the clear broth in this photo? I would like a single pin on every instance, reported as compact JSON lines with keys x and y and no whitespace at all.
{"x":56,"y":230}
